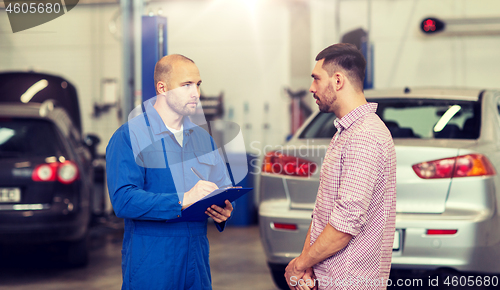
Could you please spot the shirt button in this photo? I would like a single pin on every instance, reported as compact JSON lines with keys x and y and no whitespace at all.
{"x":179,"y":202}
{"x":178,"y":215}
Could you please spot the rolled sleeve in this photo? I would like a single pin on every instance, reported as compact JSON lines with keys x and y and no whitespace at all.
{"x":360,"y":172}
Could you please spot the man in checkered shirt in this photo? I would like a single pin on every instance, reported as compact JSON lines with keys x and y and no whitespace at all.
{"x":349,"y":242}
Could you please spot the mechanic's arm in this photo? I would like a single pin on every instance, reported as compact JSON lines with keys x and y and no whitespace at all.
{"x":220,"y":176}
{"x":126,"y":182}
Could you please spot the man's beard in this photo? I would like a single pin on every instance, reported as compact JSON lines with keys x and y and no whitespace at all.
{"x":327,"y":100}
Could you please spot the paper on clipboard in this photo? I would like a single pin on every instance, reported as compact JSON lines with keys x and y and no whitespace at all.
{"x":196,"y":211}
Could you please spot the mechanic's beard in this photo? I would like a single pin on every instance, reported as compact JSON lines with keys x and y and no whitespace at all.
{"x":183,"y":110}
{"x":179,"y":108}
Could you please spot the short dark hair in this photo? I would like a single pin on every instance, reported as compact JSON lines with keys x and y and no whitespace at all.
{"x":163,"y":70}
{"x":346,"y":56}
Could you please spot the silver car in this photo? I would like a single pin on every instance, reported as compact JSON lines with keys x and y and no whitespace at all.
{"x":447,"y":145}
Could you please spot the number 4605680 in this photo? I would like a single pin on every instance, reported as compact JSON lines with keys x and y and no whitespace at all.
{"x":33,"y":8}
{"x":471,"y":281}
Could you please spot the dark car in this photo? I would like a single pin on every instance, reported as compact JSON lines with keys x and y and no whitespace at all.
{"x":46,"y":172}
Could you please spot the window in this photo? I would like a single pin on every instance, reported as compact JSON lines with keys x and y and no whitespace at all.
{"x":427,"y":119}
{"x":28,"y":138}
{"x":321,"y":127}
{"x":414,"y":118}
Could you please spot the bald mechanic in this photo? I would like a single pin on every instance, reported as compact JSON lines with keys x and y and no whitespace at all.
{"x":149,"y":161}
{"x":349,"y":242}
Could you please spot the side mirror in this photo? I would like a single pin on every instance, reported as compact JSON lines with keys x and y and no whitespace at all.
{"x":91,"y":141}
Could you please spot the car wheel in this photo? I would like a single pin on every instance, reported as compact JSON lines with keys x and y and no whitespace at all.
{"x":77,"y":254}
{"x":279,"y":278}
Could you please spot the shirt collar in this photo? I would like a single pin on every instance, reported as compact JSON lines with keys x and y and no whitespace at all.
{"x":354,"y":115}
{"x":156,"y":123}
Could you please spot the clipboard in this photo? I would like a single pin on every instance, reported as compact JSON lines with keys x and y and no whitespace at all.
{"x":196,"y":211}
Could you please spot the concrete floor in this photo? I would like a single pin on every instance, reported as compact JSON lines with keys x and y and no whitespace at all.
{"x":237,"y":262}
{"x":236,"y":257}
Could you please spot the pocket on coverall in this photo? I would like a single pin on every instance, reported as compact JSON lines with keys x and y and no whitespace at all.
{"x":157,"y":262}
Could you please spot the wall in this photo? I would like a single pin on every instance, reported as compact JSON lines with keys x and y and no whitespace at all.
{"x":404,"y":56}
{"x":252,"y":49}
{"x":77,"y":46}
{"x":242,"y":49}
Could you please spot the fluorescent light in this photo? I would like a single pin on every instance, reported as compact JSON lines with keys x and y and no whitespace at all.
{"x":51,"y":159}
{"x":35,"y":88}
{"x":29,"y":206}
{"x":6,"y":134}
{"x":447,"y":116}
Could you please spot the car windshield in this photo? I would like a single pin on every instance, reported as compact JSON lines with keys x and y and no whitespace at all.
{"x":28,"y":138}
{"x":414,"y":118}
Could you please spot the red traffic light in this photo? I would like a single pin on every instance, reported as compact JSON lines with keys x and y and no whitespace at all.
{"x":432,"y":25}
{"x":429,"y":25}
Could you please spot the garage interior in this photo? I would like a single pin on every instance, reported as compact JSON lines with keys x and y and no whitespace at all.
{"x":255,"y":59}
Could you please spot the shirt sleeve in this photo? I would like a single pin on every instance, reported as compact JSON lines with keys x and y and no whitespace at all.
{"x":361,"y":170}
{"x":126,"y":182}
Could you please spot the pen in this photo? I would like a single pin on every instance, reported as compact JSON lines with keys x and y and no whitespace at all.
{"x":201,"y":177}
{"x":197,"y":173}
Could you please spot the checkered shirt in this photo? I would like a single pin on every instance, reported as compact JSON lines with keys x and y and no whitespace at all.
{"x":357,"y":195}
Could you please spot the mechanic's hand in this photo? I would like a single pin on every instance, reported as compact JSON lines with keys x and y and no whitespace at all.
{"x":201,"y":189}
{"x":219,"y":214}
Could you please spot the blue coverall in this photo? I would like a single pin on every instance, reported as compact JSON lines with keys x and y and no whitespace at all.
{"x":148,"y":173}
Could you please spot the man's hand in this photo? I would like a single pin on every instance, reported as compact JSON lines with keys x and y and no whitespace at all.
{"x":309,"y":279}
{"x":219,"y":214}
{"x":293,"y":275}
{"x":200,"y":190}
{"x":300,"y":280}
